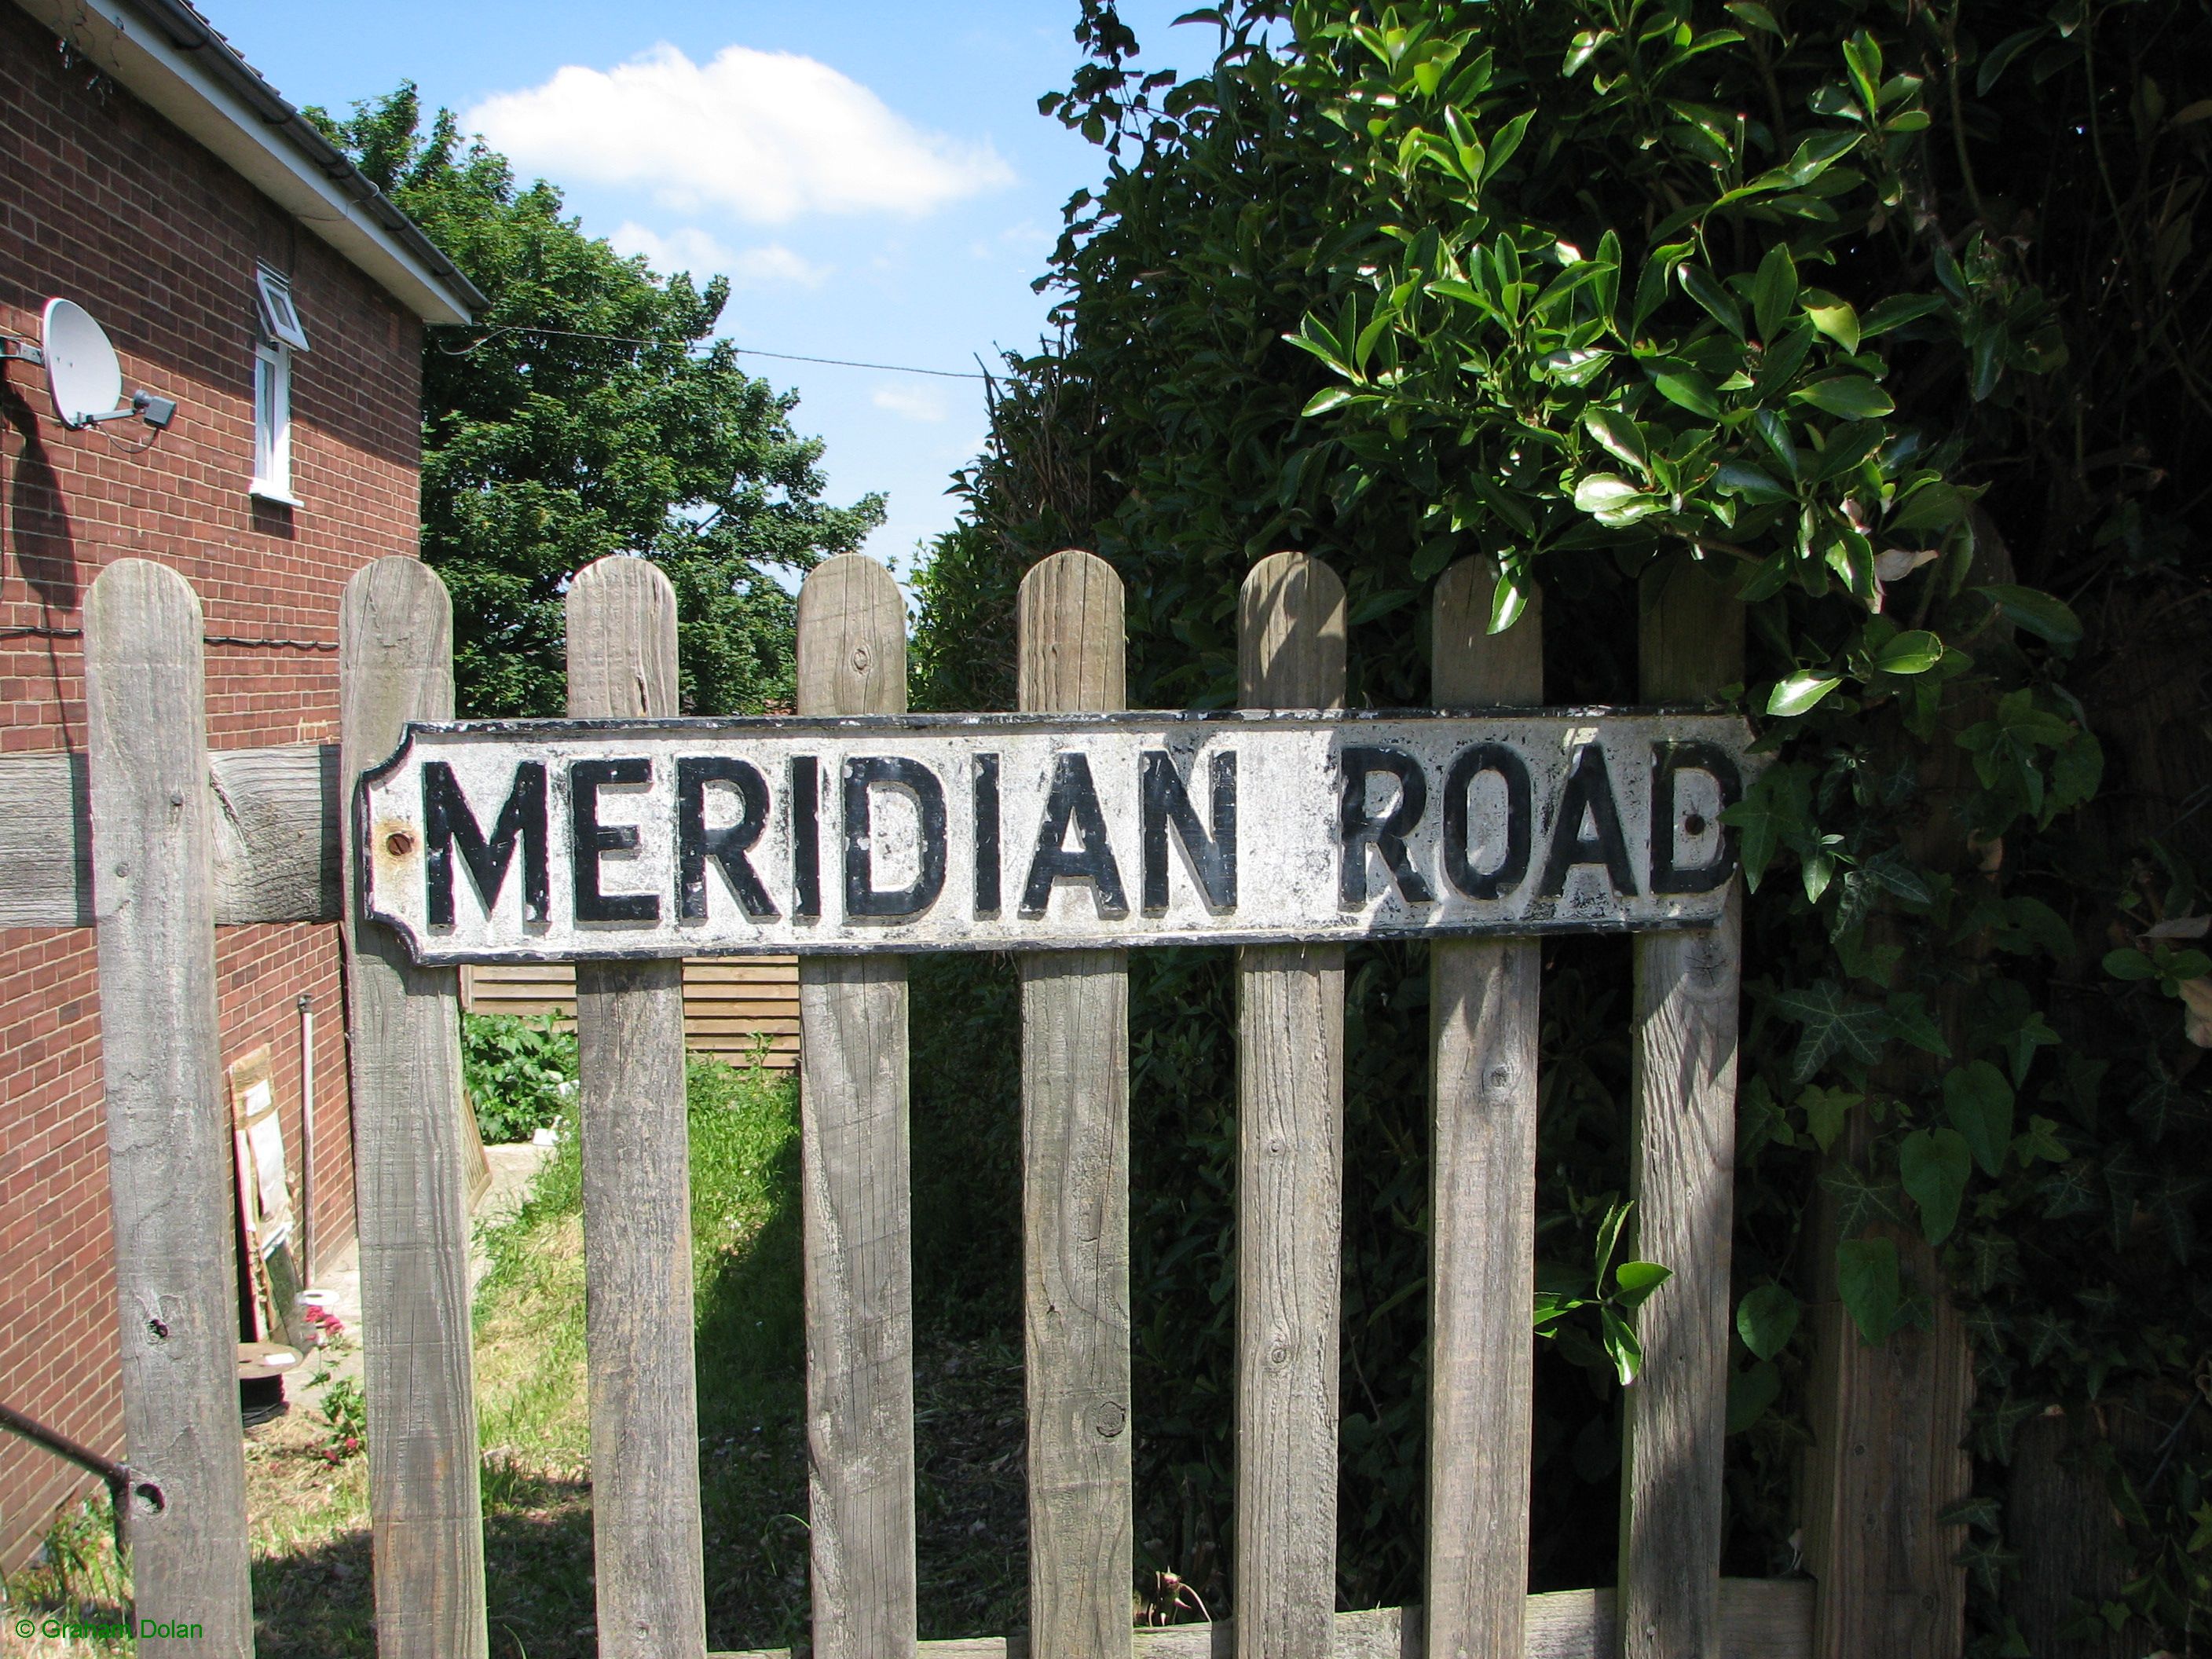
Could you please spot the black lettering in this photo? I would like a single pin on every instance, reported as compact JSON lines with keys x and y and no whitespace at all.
{"x":1668,"y":759}
{"x":448,"y":823}
{"x":1587,"y":794}
{"x":806,"y":838}
{"x":987,"y":834}
{"x":590,"y":839}
{"x":1073,"y":799}
{"x":1357,"y":831}
{"x":1166,"y":803}
{"x":696,"y":843}
{"x":864,"y":773}
{"x":1458,"y":789}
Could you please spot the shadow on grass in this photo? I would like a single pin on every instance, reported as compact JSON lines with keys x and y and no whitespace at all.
{"x":319,"y":1602}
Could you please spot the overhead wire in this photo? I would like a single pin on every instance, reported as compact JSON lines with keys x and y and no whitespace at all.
{"x":742,"y":352}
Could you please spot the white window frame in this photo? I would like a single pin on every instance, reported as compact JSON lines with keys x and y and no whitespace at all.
{"x":280,"y":315}
{"x":272,"y":423}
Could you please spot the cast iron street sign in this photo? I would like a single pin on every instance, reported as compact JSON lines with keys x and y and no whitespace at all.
{"x":498,"y":840}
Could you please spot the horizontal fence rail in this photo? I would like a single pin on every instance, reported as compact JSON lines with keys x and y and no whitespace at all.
{"x":258,"y":836}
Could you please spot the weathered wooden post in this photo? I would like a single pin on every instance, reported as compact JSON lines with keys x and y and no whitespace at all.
{"x":1075,"y":1182}
{"x":647,"y":1545}
{"x":1483,"y":1019}
{"x":1683,"y":1176}
{"x":854,"y":1176}
{"x":168,"y":1123}
{"x":1290,"y":1181}
{"x":396,"y":665}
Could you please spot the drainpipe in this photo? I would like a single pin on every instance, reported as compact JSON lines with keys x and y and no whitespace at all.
{"x":306,"y":1138}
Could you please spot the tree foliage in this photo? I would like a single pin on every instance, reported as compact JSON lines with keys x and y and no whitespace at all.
{"x":590,"y":411}
{"x":1883,"y":314}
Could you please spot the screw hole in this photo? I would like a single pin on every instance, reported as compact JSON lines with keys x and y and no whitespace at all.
{"x":1694,"y":824}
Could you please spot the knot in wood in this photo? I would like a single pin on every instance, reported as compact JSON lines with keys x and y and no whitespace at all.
{"x":1108,"y":1418}
{"x":1278,"y":1351}
{"x":1277,"y":1147}
{"x":861,"y":659}
{"x":1499,"y":1078}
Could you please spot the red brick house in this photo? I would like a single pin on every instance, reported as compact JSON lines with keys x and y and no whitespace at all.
{"x":148,"y":174}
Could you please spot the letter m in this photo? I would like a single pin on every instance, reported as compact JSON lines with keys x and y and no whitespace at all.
{"x":450,"y":824}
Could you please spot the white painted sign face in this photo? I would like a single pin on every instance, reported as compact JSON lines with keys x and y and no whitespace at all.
{"x":559,"y":840}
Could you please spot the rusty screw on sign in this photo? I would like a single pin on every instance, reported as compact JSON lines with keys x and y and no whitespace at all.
{"x":399,"y":843}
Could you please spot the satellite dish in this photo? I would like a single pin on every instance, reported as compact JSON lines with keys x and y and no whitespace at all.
{"x":82,"y":369}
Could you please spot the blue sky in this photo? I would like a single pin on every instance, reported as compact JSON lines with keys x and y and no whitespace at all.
{"x":874,"y":177}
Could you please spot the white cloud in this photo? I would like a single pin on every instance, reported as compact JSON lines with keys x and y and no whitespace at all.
{"x":766,"y":134}
{"x":702,"y":254}
{"x":912,"y":402}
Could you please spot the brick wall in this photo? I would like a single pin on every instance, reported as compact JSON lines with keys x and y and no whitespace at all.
{"x":105,"y":202}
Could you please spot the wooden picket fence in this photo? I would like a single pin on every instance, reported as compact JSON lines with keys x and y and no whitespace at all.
{"x":179,"y":842}
{"x":742,"y":1008}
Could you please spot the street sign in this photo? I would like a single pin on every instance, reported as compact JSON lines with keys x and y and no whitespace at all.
{"x":498,"y":840}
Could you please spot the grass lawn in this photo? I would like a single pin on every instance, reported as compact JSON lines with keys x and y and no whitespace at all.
{"x":308,"y":1498}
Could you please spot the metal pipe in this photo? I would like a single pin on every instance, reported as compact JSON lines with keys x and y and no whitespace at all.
{"x":306,"y":1139}
{"x":121,"y":1483}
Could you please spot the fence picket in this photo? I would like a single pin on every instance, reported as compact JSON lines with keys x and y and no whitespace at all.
{"x":168,"y":1141}
{"x":646,"y":1548}
{"x":1075,"y":1182}
{"x":1682,"y":1171}
{"x":396,"y":663}
{"x":1483,"y":1014}
{"x":1290,"y":1176}
{"x":857,"y":1221}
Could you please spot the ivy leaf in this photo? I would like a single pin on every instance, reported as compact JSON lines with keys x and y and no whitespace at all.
{"x":1766,"y":1319}
{"x":1934,"y":1164}
{"x":2045,"y":618}
{"x":1979,"y":1104}
{"x":1911,"y":1022}
{"x":1848,"y":397}
{"x":1826,"y":1111}
{"x":1833,"y":1025}
{"x":1801,"y":691}
{"x":1775,"y":812}
{"x":1867,"y":1281}
{"x":1862,"y":1202}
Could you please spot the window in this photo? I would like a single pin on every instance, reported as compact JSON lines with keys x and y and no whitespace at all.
{"x":272,"y":422}
{"x":280,"y":318}
{"x":282,"y":334}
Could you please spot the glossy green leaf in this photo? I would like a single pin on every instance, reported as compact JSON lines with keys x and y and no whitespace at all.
{"x":1847,"y":397}
{"x":1774,"y":290}
{"x":2037,"y":612}
{"x":1801,"y":691}
{"x":1689,"y":390}
{"x":1915,"y":653}
{"x":1618,"y":434}
{"x":1833,"y":317}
